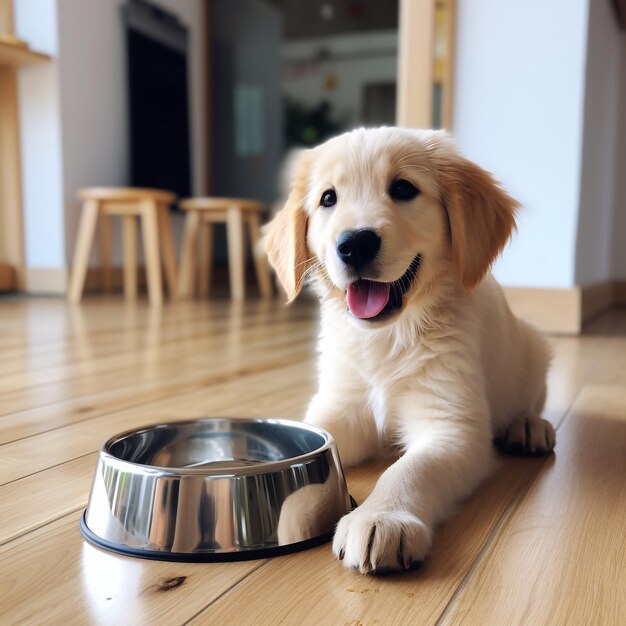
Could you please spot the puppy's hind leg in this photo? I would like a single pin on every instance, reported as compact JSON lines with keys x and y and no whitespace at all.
{"x":528,"y":433}
{"x":527,"y":436}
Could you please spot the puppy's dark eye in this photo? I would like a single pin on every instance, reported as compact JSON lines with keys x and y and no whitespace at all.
{"x":402,"y":190}
{"x":329,"y":198}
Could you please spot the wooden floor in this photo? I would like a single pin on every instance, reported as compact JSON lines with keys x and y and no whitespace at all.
{"x":544,"y":542}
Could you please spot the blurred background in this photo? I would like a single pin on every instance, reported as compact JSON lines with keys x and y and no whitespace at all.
{"x":204,"y":98}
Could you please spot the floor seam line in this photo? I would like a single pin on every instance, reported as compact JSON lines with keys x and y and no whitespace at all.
{"x":45,"y":469}
{"x":47,"y":523}
{"x":505,"y":515}
{"x":225,"y":592}
{"x":502,"y":518}
{"x":196,"y":388}
{"x":80,"y":376}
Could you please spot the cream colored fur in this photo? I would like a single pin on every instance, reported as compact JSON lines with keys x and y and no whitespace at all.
{"x":451,"y":370}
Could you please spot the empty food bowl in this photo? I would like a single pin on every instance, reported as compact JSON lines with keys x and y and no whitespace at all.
{"x":216,"y":490}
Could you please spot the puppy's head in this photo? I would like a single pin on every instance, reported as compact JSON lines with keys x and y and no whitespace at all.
{"x":377,"y":217}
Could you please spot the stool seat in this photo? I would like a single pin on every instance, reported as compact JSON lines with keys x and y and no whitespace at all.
{"x":221,"y":204}
{"x":126,"y":194}
{"x":149,"y":207}
{"x":202,"y":213}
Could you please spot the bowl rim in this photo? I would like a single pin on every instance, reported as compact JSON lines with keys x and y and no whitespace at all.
{"x":260,"y":468}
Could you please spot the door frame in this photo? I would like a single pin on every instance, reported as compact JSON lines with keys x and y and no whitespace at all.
{"x":416,"y":60}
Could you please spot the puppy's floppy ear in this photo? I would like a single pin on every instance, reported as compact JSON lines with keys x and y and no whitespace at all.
{"x":285,"y":235}
{"x":480,"y":212}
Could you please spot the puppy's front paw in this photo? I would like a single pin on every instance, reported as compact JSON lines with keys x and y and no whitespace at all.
{"x":381,"y":541}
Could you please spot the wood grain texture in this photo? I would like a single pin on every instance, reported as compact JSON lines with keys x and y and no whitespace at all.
{"x":7,"y":23}
{"x":79,"y":584}
{"x":187,"y":278}
{"x":106,"y":244}
{"x":561,"y":556}
{"x":221,"y":204}
{"x":8,"y":277}
{"x":13,"y":55}
{"x":150,"y":234}
{"x":542,"y":542}
{"x":313,"y":588}
{"x":261,"y":267}
{"x":168,"y":250}
{"x":126,"y":194}
{"x":202,"y":213}
{"x":236,"y":253}
{"x":205,"y":260}
{"x":447,"y":106}
{"x":84,"y":240}
{"x":415,"y":63}
{"x":11,"y":212}
{"x":129,"y":242}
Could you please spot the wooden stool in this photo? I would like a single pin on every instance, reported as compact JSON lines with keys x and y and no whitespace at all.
{"x":151,"y":205}
{"x":202,"y":213}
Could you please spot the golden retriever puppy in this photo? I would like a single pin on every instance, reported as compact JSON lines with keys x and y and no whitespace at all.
{"x":418,"y":349}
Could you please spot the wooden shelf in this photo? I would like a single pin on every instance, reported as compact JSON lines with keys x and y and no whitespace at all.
{"x":8,"y":277}
{"x":14,"y":55}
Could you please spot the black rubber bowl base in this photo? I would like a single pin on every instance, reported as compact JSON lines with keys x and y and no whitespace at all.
{"x":204,"y":557}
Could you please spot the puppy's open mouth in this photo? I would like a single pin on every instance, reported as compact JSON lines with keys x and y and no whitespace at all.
{"x":371,"y":300}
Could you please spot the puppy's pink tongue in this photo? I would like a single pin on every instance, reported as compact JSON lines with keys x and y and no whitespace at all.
{"x":366,"y":298}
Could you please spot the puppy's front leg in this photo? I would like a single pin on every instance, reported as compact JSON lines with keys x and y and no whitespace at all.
{"x":445,"y":457}
{"x":340,"y":407}
{"x":342,"y":410}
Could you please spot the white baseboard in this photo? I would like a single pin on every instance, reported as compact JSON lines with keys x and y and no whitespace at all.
{"x":46,"y":280}
{"x":558,"y":311}
{"x":564,"y":311}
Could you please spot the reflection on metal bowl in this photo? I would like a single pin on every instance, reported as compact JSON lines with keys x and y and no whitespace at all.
{"x":216,"y":489}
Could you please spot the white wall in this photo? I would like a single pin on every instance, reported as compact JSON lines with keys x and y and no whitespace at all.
{"x":519,"y":94}
{"x":93,"y":104}
{"x":305,"y":82}
{"x":602,"y":91}
{"x":248,"y":136}
{"x":92,"y":59}
{"x":39,"y":109}
{"x":73,"y":118}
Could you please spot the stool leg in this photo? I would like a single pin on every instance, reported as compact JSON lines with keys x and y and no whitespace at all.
{"x":105,"y":253}
{"x":84,"y":241}
{"x":206,"y":259}
{"x":236,"y":253}
{"x":187,"y":260}
{"x":260,"y":262}
{"x":150,"y":232}
{"x":167,"y":250}
{"x":129,"y":239}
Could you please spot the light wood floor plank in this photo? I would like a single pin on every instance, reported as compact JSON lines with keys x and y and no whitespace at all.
{"x":132,"y":359}
{"x":43,"y":497}
{"x":191,"y":358}
{"x":158,"y":329}
{"x":24,"y":457}
{"x":40,"y":419}
{"x":542,"y":542}
{"x":40,"y":497}
{"x":561,"y":556}
{"x":54,"y":577}
{"x":313,"y":588}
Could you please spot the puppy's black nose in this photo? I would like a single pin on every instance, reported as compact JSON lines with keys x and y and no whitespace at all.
{"x":358,"y":247}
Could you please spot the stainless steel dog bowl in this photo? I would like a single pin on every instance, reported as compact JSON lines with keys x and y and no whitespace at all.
{"x":216,"y":490}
